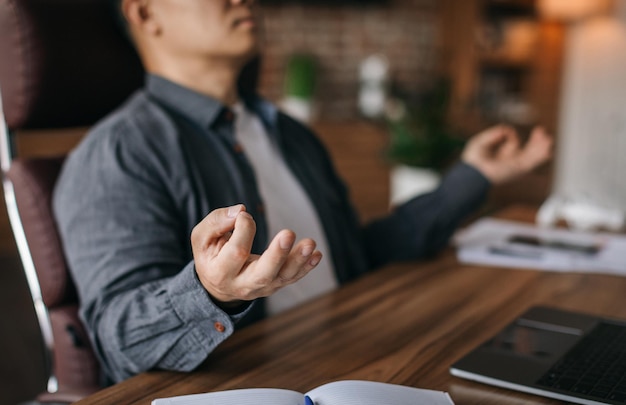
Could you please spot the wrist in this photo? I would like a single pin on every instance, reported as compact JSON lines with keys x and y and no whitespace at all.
{"x":230,"y":307}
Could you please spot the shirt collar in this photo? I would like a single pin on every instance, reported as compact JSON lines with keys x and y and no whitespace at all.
{"x":200,"y":108}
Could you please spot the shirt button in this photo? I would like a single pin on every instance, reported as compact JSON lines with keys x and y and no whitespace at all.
{"x":219,"y":327}
{"x":238,"y":148}
{"x":260,"y":208}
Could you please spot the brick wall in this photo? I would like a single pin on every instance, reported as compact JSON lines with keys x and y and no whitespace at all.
{"x":340,"y":36}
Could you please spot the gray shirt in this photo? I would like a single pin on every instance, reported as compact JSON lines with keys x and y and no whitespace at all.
{"x":131,"y":192}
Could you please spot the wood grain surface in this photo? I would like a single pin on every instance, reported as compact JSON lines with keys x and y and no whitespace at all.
{"x":403,"y":324}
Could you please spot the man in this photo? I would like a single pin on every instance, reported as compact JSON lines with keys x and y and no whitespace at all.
{"x":179,"y":219}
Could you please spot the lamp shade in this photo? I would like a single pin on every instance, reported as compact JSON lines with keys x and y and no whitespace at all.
{"x":572,"y":10}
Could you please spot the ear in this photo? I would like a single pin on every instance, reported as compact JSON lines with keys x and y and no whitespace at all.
{"x":140,"y":17}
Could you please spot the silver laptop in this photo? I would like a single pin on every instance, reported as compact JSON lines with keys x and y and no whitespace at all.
{"x":554,"y":353}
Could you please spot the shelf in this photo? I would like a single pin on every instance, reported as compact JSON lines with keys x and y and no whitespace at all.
{"x":504,"y":62}
{"x":505,"y":65}
{"x":509,"y":8}
{"x":495,"y":61}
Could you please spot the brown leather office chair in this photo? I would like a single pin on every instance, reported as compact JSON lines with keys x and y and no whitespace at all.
{"x":63,"y":64}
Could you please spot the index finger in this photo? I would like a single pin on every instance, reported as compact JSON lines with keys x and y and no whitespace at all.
{"x":215,"y":225}
{"x":236,"y":251}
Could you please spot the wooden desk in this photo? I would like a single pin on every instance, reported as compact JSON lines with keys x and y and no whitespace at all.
{"x":405,"y":324}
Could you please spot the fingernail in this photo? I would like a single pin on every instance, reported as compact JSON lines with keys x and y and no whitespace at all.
{"x":234,"y":210}
{"x":306,"y":251}
{"x":315,"y":260}
{"x":284,"y":242}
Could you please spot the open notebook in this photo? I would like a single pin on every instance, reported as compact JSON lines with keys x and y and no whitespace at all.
{"x":347,"y":392}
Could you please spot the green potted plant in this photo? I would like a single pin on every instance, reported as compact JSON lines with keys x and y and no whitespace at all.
{"x":299,"y":86}
{"x":421,"y":143}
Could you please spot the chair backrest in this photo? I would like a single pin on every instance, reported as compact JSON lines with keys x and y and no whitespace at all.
{"x":65,"y":64}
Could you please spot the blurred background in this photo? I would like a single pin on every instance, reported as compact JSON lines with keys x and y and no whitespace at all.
{"x":481,"y":62}
{"x":394,"y":87}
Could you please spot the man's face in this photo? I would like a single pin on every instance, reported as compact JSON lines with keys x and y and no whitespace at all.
{"x":208,"y":28}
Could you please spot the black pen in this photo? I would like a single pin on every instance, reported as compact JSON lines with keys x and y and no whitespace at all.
{"x":504,"y":251}
{"x":579,"y":247}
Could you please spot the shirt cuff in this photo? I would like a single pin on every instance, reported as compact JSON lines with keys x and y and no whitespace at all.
{"x":466,"y":183}
{"x":193,"y":305}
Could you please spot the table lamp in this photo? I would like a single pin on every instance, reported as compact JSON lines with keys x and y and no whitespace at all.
{"x":589,"y":192}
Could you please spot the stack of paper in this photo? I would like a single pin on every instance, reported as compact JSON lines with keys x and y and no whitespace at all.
{"x":513,"y":244}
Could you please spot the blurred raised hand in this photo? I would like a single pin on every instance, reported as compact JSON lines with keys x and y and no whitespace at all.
{"x":499,"y":155}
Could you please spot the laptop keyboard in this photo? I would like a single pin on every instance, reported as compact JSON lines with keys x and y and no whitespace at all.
{"x":595,"y":367}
